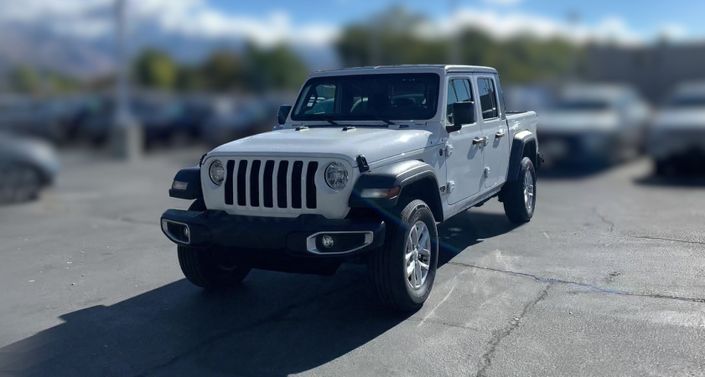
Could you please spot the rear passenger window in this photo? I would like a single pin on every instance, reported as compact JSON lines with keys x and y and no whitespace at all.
{"x":458,"y":91}
{"x":488,"y":98}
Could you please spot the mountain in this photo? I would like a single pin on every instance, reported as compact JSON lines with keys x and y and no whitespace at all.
{"x":87,"y":58}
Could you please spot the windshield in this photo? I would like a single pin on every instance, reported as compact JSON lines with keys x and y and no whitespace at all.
{"x":687,"y":101}
{"x":369,"y":97}
{"x":582,"y":104}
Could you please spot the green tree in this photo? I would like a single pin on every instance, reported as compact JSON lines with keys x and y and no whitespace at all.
{"x":392,"y":37}
{"x":221,"y":71}
{"x":273,"y":68}
{"x":155,"y":69}
{"x":24,"y":79}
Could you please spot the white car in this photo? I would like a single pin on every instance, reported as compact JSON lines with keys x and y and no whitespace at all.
{"x":677,"y":136}
{"x":594,"y":124}
{"x":362,"y":167}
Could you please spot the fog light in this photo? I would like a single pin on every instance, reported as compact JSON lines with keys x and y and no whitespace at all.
{"x":187,"y":233}
{"x":327,"y":241}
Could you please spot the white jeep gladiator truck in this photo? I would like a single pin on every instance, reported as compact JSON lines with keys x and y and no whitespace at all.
{"x":362,"y":167}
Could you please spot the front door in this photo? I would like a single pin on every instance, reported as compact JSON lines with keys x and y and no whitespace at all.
{"x":464,"y":157}
{"x":494,"y":126}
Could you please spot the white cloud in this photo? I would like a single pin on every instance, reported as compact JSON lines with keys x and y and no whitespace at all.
{"x":504,"y":24}
{"x":93,"y":18}
{"x":672,"y":32}
{"x":503,"y":2}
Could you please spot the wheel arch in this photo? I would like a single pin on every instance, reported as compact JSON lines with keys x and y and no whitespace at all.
{"x":524,"y":144}
{"x":415,"y":180}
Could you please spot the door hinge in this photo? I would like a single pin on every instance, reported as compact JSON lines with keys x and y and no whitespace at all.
{"x":448,"y":150}
{"x":487,"y":171}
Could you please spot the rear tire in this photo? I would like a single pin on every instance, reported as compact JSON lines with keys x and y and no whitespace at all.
{"x":19,"y":183}
{"x":403,"y":271}
{"x":519,"y":196}
{"x":662,"y":168}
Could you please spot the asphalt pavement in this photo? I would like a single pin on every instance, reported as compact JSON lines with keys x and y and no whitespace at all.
{"x":607,"y":280}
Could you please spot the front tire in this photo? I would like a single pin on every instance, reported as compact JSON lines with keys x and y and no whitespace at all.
{"x":519,"y":196}
{"x":403,"y":271}
{"x":210,"y":269}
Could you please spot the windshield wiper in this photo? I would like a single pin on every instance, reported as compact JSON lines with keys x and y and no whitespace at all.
{"x":388,"y":122}
{"x":331,"y":121}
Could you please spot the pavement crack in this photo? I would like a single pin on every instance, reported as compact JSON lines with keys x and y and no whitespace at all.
{"x":499,"y":335}
{"x":604,"y":219}
{"x":654,"y":238}
{"x":591,"y":287}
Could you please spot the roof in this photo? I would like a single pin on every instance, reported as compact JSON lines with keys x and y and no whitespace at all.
{"x":410,"y":68}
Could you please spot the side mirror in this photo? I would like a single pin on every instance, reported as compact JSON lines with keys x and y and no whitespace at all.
{"x":283,"y":113}
{"x":463,"y":113}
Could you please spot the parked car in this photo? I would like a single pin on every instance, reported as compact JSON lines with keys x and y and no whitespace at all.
{"x":26,"y":167}
{"x":536,"y":97}
{"x":26,"y":116}
{"x":158,"y":118}
{"x":401,"y":149}
{"x":676,"y":138}
{"x":238,"y":117}
{"x":594,"y":124}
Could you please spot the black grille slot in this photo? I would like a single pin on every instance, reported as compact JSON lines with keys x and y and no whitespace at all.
{"x":271,"y":184}
{"x":229,"y":182}
{"x":242,"y":183}
{"x":267,"y":182}
{"x":281,"y":184}
{"x":254,"y":183}
{"x":296,"y":184}
{"x":311,"y":184}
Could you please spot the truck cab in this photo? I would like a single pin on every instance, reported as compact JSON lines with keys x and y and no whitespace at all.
{"x":361,"y":167}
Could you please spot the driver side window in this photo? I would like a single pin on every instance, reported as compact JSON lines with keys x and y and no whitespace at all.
{"x":459,"y":90}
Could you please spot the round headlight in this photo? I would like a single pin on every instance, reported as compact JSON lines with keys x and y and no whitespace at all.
{"x":336,"y":176}
{"x":217,"y":172}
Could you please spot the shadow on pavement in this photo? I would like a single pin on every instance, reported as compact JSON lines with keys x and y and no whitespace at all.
{"x":572,"y":171}
{"x":276,"y":324}
{"x":467,"y":229}
{"x":682,"y":180}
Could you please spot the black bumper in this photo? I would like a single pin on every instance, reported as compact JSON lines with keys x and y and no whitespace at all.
{"x":264,"y":237}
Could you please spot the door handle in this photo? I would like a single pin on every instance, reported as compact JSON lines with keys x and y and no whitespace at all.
{"x":499,"y":134}
{"x":479,"y":140}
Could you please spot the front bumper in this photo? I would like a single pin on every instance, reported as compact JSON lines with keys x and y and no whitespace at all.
{"x":264,"y":237}
{"x":669,"y":143}
{"x":577,"y":147}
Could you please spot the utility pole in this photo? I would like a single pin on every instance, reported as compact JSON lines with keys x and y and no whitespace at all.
{"x":454,"y":43}
{"x":125,"y":132}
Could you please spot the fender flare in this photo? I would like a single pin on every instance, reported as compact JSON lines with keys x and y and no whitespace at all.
{"x":187,"y":184}
{"x":401,"y":175}
{"x":519,"y":143}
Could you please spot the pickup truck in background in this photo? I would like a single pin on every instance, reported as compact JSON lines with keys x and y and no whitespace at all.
{"x":361,"y":169}
{"x":593,"y":125}
{"x":676,"y":138}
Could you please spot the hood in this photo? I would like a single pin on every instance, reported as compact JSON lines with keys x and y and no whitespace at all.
{"x":374,"y":143}
{"x":578,"y":121}
{"x":681,"y":118}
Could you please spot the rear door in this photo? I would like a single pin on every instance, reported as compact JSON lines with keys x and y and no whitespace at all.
{"x":465,"y":161}
{"x":493,"y":122}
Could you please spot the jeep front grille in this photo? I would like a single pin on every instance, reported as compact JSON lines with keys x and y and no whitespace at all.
{"x":271,"y":183}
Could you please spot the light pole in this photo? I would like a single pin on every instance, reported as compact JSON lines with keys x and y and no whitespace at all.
{"x":454,"y":51}
{"x":125,"y":132}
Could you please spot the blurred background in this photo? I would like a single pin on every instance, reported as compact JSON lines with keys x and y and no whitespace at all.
{"x":112,"y":80}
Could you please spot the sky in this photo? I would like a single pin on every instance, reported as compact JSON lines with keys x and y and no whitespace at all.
{"x":317,"y":23}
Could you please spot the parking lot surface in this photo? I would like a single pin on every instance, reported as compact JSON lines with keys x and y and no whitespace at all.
{"x":607,"y":279}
